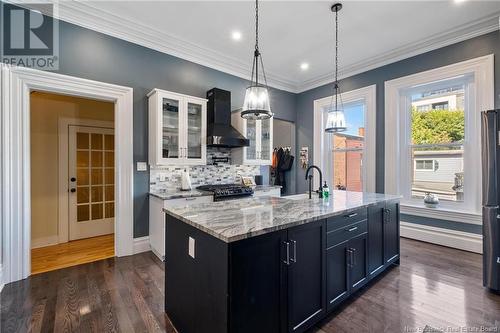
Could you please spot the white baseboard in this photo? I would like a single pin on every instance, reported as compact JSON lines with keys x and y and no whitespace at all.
{"x":446,"y":237}
{"x":141,"y":244}
{"x":44,"y":241}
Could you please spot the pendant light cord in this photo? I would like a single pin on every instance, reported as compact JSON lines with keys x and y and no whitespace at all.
{"x":257,"y":25}
{"x":336,"y":86}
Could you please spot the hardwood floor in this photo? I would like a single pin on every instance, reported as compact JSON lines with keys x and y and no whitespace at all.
{"x":82,"y":251}
{"x":434,"y":286}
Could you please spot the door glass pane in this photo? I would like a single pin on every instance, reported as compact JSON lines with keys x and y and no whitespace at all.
{"x":110,"y":193}
{"x":82,"y":140}
{"x":96,"y":157}
{"x":97,"y":211}
{"x":170,"y":131}
{"x":109,"y":142}
{"x":194,"y":130}
{"x":82,"y":176}
{"x":251,"y":135}
{"x":96,"y":141}
{"x":109,"y":176}
{"x":82,"y":213}
{"x":109,"y":209}
{"x":109,"y":159}
{"x":82,"y":194}
{"x":266,"y":139}
{"x":96,"y":176}
{"x":82,"y":159}
{"x":97,"y":193}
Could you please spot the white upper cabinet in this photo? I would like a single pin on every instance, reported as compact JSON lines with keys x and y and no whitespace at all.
{"x":260,"y":134}
{"x":177,"y":129}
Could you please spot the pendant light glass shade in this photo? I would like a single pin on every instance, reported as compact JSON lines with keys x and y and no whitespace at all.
{"x":256,"y":104}
{"x":335,"y":121}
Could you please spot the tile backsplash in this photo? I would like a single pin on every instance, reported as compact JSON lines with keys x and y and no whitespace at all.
{"x":169,"y":177}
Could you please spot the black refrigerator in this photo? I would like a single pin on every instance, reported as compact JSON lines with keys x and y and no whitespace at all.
{"x":491,"y":195}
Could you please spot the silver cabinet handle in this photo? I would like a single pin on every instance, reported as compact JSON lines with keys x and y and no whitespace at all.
{"x":351,"y":215}
{"x":287,"y":260}
{"x":294,"y":259}
{"x":352,"y":229}
{"x":353,"y":256}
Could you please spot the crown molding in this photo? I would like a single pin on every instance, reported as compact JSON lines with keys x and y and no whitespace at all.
{"x":86,"y":15}
{"x":477,"y":28}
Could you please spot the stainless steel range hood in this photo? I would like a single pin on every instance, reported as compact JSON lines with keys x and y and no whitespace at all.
{"x":220,"y":133}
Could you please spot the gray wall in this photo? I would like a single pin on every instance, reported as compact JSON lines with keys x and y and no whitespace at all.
{"x":472,"y":48}
{"x":92,"y":55}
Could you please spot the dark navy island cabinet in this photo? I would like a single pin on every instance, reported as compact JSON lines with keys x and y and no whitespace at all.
{"x":283,"y":281}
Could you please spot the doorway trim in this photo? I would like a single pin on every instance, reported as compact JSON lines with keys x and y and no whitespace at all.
{"x":63,"y":165}
{"x":16,"y":85}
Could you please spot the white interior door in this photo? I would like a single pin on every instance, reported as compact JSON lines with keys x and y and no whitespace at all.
{"x":91,"y":181}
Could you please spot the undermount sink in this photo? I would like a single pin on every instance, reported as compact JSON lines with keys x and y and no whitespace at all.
{"x":299,"y":196}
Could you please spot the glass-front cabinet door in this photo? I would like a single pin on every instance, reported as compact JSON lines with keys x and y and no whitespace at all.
{"x":195,"y":137}
{"x":251,"y":134}
{"x":177,"y":129}
{"x":265,"y":140}
{"x":170,"y":127}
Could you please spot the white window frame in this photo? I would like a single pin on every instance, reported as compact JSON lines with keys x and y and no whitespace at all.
{"x":397,"y":157}
{"x":369,"y":95}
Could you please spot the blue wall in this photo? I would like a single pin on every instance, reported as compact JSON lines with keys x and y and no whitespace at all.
{"x":88,"y":54}
{"x":472,"y":48}
{"x":92,"y":55}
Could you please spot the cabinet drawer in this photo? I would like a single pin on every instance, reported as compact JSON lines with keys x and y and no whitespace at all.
{"x":341,"y":221}
{"x":187,"y":201}
{"x":341,"y":235}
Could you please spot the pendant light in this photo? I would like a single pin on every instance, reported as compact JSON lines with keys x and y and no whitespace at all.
{"x":256,"y":105}
{"x":335,"y":121}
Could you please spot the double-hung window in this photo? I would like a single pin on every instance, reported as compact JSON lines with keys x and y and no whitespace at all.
{"x":433,"y":137}
{"x":347,"y":158}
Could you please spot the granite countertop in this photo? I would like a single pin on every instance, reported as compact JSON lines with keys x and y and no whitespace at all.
{"x":234,"y":220}
{"x":177,"y":193}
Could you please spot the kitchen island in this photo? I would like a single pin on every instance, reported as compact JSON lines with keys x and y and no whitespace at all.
{"x":274,"y":264}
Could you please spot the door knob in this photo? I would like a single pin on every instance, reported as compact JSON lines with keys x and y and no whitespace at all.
{"x":73,"y":179}
{"x":73,"y":190}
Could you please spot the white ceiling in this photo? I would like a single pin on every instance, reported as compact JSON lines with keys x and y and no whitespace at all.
{"x":372,"y":33}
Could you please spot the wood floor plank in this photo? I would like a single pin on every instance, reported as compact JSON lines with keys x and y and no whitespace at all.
{"x":82,"y":251}
{"x":434,"y":285}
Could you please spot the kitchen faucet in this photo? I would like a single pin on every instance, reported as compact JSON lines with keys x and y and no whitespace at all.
{"x":320,"y":190}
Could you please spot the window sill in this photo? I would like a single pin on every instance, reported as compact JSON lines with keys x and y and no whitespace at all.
{"x":442,"y":213}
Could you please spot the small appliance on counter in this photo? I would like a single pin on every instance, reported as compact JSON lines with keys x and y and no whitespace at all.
{"x":185,"y":181}
{"x":248,"y":181}
{"x":227,"y":191}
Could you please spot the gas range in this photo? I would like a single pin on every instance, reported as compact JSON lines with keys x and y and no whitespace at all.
{"x":227,"y":191}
